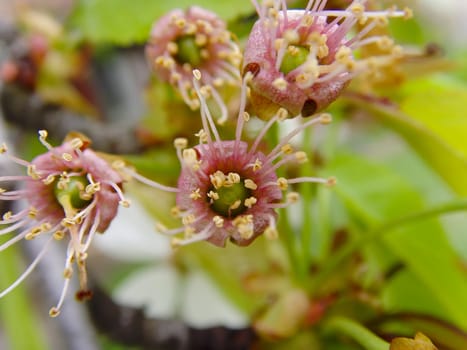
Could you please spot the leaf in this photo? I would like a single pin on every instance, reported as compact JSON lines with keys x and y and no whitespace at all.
{"x":123,"y":22}
{"x":431,"y":120}
{"x":379,"y":196}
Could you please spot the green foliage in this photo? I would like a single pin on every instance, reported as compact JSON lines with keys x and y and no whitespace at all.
{"x":123,"y":23}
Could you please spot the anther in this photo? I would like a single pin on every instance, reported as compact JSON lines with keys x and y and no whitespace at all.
{"x":250,"y":184}
{"x":331,"y":181}
{"x":218,"y":221}
{"x":325,"y":118}
{"x":180,"y":143}
{"x":197,"y":74}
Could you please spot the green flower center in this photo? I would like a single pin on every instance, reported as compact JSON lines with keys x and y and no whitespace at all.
{"x":294,"y":57}
{"x":70,"y":192}
{"x":230,"y":200}
{"x":188,"y":51}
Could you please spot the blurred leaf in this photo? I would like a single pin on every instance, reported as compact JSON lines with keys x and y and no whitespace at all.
{"x":431,"y":120}
{"x":16,"y":313}
{"x":123,"y":22}
{"x":374,"y":194}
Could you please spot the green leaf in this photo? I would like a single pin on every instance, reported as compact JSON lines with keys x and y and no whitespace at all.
{"x":431,"y":120}
{"x":16,"y":312}
{"x":123,"y":22}
{"x":374,"y":195}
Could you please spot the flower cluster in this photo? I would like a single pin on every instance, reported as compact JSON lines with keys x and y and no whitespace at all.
{"x":72,"y":193}
{"x":296,"y":62}
{"x":302,"y":59}
{"x":194,"y":39}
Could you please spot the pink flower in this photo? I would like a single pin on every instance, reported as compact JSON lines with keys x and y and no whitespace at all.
{"x":303,"y":59}
{"x":194,"y":39}
{"x":229,"y":189}
{"x":71,"y":192}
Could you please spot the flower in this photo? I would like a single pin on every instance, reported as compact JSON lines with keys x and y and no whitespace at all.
{"x":71,"y":192}
{"x":301,"y":60}
{"x":229,"y":189}
{"x":194,"y":39}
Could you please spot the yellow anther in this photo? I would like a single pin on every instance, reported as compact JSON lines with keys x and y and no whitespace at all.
{"x":233,"y":178}
{"x":331,"y":181}
{"x":49,"y":179}
{"x":67,"y":222}
{"x":188,"y":219}
{"x":280,"y":84}
{"x":197,"y":74}
{"x":76,"y":143}
{"x":59,"y":235}
{"x":249,"y":202}
{"x":180,"y":143}
{"x":343,"y":54}
{"x":293,"y":197}
{"x":408,"y":13}
{"x":175,"y":212}
{"x":250,"y":184}
{"x":218,"y":221}
{"x":282,"y":114}
{"x":43,"y":134}
{"x":307,"y":21}
{"x":160,"y":227}
{"x":201,"y":39}
{"x":282,"y":183}
{"x":301,"y":157}
{"x":195,"y":194}
{"x":32,"y":172}
{"x":257,"y":165}
{"x":291,"y":36}
{"x":3,"y":148}
{"x":357,"y":9}
{"x":54,"y":312}
{"x":287,"y":149}
{"x":93,"y":188}
{"x":172,"y":48}
{"x":213,"y":195}
{"x":67,"y":273}
{"x":203,"y":136}
{"x":325,"y":118}
{"x":67,"y":157}
{"x":32,"y":213}
{"x":125,"y":203}
{"x":118,"y":164}
{"x":235,"y":205}
{"x":246,"y":116}
{"x":7,"y":215}
{"x":217,"y":179}
{"x":278,"y":43}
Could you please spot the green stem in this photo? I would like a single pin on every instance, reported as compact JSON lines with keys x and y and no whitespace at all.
{"x":357,"y":332}
{"x":336,"y":260}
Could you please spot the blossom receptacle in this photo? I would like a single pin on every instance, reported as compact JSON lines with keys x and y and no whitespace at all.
{"x":73,"y":193}
{"x":181,"y":41}
{"x":301,"y":60}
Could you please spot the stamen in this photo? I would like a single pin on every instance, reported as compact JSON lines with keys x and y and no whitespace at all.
{"x":28,"y":270}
